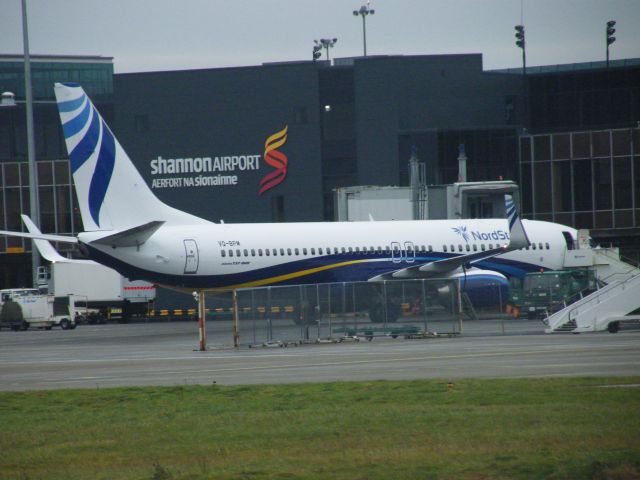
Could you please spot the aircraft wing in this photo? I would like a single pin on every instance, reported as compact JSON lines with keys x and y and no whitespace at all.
{"x":517,"y":239}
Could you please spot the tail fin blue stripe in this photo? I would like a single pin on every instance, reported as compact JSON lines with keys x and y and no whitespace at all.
{"x":71,"y":105}
{"x":87,"y":145}
{"x":102,"y":173}
{"x":76,"y":124}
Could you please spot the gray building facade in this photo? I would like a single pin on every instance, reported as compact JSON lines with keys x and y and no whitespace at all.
{"x":269,"y":143}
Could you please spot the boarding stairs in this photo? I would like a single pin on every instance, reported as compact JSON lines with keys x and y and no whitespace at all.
{"x":607,"y":307}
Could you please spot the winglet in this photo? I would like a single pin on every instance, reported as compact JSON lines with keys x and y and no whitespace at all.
{"x":517,"y":234}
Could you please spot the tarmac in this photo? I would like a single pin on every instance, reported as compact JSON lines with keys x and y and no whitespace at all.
{"x":101,"y":356}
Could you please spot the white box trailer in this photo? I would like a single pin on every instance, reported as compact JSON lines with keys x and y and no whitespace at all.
{"x":41,"y":311}
{"x":101,"y":289}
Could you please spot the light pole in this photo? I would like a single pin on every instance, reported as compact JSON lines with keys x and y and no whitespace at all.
{"x":325,"y":43}
{"x":520,"y":42}
{"x":34,"y":204}
{"x":8,"y":100}
{"x":364,"y":11}
{"x":610,"y":38}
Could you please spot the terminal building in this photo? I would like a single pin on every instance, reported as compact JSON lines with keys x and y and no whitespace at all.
{"x":206,"y":141}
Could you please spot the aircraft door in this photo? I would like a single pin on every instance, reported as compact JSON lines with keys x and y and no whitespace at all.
{"x":396,"y":252}
{"x":410,"y":252}
{"x":191,"y":256}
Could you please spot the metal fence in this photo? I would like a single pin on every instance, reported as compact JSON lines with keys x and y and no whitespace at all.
{"x":343,"y":310}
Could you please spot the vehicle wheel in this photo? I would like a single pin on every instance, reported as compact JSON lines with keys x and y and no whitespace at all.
{"x":64,"y":324}
{"x":613,"y":327}
{"x":73,"y":326}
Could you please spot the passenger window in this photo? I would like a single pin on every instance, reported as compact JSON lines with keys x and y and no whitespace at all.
{"x":246,"y":253}
{"x":547,"y":246}
{"x":459,"y":247}
{"x":259,"y":252}
{"x":267,"y":252}
{"x":238,"y":253}
{"x":350,"y":249}
{"x":253,"y":252}
{"x":540,"y":246}
{"x":475,"y":247}
{"x":313,"y":251}
{"x":444,"y":248}
{"x":453,"y":248}
{"x":288,"y":251}
{"x":491,"y":246}
{"x":344,"y":250}
{"x":357,"y":249}
{"x":231,"y":253}
{"x":468,"y":248}
{"x":533,"y":246}
{"x":275,"y":252}
{"x":430,"y":248}
{"x":297,"y":252}
{"x":482,"y":247}
{"x":223,"y":253}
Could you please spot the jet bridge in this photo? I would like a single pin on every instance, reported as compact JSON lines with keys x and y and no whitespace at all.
{"x":607,"y":307}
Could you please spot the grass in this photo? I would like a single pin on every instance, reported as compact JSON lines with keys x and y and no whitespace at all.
{"x":482,"y":429}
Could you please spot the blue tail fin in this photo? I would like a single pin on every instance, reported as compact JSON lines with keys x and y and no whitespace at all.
{"x":112,"y":194}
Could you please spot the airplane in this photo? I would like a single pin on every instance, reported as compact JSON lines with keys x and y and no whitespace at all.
{"x":127,"y":228}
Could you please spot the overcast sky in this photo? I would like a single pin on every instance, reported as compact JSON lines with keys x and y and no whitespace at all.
{"x":146,"y":35}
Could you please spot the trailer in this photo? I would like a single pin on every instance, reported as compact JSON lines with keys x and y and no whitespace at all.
{"x":41,"y":311}
{"x":105,"y":293}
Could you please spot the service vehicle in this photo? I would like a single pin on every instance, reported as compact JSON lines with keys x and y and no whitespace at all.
{"x":42,"y":311}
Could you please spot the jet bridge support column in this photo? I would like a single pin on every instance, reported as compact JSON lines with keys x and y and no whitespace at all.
{"x":201,"y":321}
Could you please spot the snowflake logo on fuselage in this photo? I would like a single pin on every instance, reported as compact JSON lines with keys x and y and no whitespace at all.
{"x":462,"y":231}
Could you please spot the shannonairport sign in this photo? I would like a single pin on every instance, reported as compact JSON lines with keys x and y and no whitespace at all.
{"x":221,"y":170}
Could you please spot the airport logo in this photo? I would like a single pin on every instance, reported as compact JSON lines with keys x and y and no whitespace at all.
{"x":276,"y":159}
{"x":221,"y":170}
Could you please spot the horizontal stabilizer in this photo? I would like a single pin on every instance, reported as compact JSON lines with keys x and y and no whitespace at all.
{"x":42,"y":236}
{"x":132,"y":237}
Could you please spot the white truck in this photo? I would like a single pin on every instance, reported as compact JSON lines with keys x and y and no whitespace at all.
{"x":40,"y":311}
{"x":102,"y":290}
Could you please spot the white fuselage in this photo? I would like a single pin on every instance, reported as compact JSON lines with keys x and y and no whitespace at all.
{"x":225,"y":256}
